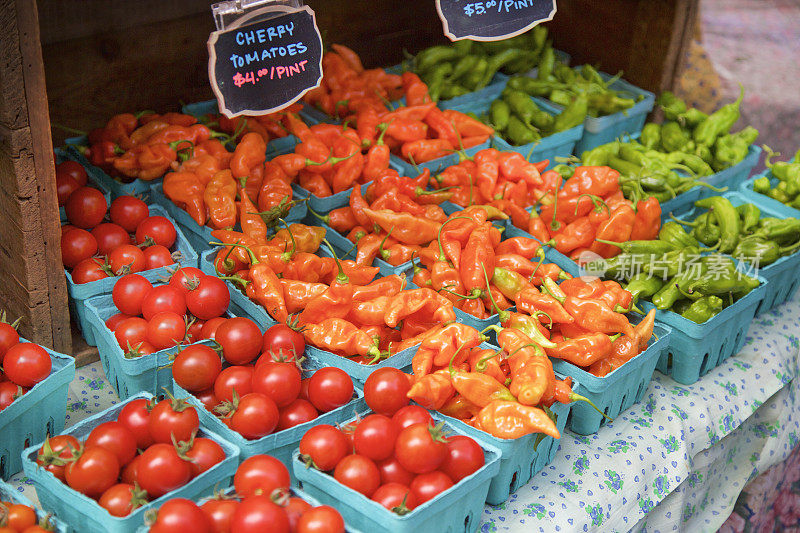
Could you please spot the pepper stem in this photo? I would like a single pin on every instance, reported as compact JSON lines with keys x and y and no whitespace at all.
{"x":324,"y":218}
{"x":452,"y":358}
{"x":598,"y":203}
{"x":577,"y":397}
{"x":540,"y":254}
{"x":381,"y":251}
{"x":284,"y":257}
{"x":480,"y":366}
{"x":502,"y":315}
{"x":555,"y":224}
{"x":341,"y":277}
{"x":443,"y":257}
{"x":253,"y":259}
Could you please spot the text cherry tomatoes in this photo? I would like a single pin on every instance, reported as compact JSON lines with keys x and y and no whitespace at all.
{"x":260,"y":474}
{"x":196,"y":368}
{"x":128,"y":212}
{"x":324,"y":445}
{"x":359,"y":473}
{"x":329,"y":388}
{"x":157,"y":228}
{"x":85,"y":207}
{"x":129,"y":292}
{"x":385,"y":390}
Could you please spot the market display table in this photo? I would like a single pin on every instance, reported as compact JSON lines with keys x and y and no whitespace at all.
{"x":676,"y":461}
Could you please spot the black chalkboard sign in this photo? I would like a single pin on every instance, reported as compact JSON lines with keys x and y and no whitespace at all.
{"x":260,"y":67}
{"x":492,"y":20}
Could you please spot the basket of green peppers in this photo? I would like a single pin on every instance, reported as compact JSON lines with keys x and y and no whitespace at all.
{"x":465,"y":67}
{"x":614,"y":106}
{"x":759,"y":233}
{"x":781,"y":181}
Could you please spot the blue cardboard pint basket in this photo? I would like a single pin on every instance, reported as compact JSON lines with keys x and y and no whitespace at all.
{"x":92,"y":180}
{"x":457,"y":509}
{"x":9,"y":494}
{"x":747,"y":186}
{"x":732,"y":177}
{"x":117,"y":188}
{"x":280,"y":444}
{"x":80,"y":292}
{"x":199,"y":236}
{"x":75,"y":508}
{"x":39,"y":412}
{"x":616,"y":391}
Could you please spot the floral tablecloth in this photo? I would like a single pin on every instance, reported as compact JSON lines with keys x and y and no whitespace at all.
{"x":675,"y":462}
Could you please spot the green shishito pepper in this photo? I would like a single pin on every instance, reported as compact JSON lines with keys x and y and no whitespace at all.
{"x":761,"y":185}
{"x":750,"y":215}
{"x":643,"y":285}
{"x":703,"y":309}
{"x":651,"y":136}
{"x":573,"y":115}
{"x":671,"y":104}
{"x":673,"y":233}
{"x":499,"y":113}
{"x":673,"y":137}
{"x":719,"y":122}
{"x":519,"y":133}
{"x":728,"y":219}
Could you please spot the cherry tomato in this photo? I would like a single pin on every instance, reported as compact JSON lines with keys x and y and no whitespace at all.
{"x":240,"y":339}
{"x":255,"y":416}
{"x":159,"y":229}
{"x":325,"y":446}
{"x":279,"y":381}
{"x":161,"y":470}
{"x":429,"y":485}
{"x":262,"y":473}
{"x":131,"y":332}
{"x":321,"y":519}
{"x":74,"y":170}
{"x":157,"y":256}
{"x":139,"y":350}
{"x":9,"y":392}
{"x":238,"y":378}
{"x":134,"y":415}
{"x":393,"y":472}
{"x":172,"y":418}
{"x":8,"y":338}
{"x":185,"y":278}
{"x":126,"y":259}
{"x":116,"y":320}
{"x":130,"y":471}
{"x":194,"y":330}
{"x":359,"y":473}
{"x":122,"y":499}
{"x":209,"y":329}
{"x":94,"y":472}
{"x":283,"y":342}
{"x":295,"y":508}
{"x":116,"y":438}
{"x":86,"y":207}
{"x":421,"y":448}
{"x":303,"y":388}
{"x":165,"y":329}
{"x":20,"y":517}
{"x":196,"y":368}
{"x":76,"y":246}
{"x":54,"y":449}
{"x":464,"y":457}
{"x":109,"y":236}
{"x":296,"y":413}
{"x":207,"y":398}
{"x":410,"y":415}
{"x":385,"y":390}
{"x":88,"y":270}
{"x":374,"y":437}
{"x":180,"y":515}
{"x":129,"y":292}
{"x":65,"y":186}
{"x":257,"y":514}
{"x":395,"y":497}
{"x":220,"y":512}
{"x":163,"y":298}
{"x":209,"y":299}
{"x":26,"y":364}
{"x":204,"y":454}
{"x":128,"y":212}
{"x":329,"y":388}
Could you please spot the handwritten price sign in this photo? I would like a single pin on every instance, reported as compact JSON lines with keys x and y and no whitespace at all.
{"x":492,"y":20}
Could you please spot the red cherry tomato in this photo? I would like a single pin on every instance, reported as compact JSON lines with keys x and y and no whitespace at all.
{"x":74,"y":170}
{"x":255,"y":416}
{"x":8,"y":338}
{"x":186,"y":278}
{"x":159,"y":229}
{"x":157,"y":256}
{"x":325,"y":446}
{"x":196,"y":368}
{"x":126,"y":259}
{"x":131,"y":332}
{"x":134,"y":415}
{"x":26,"y":364}
{"x":395,"y":497}
{"x":162,"y":470}
{"x":385,"y":390}
{"x":321,"y":519}
{"x":240,"y":339}
{"x":65,"y":186}
{"x":109,"y":236}
{"x":260,"y":474}
{"x":121,"y":499}
{"x":220,"y":512}
{"x":116,"y":320}
{"x":464,"y":457}
{"x":238,"y":378}
{"x":329,"y":388}
{"x":54,"y":450}
{"x":116,"y":438}
{"x":410,"y":415}
{"x":9,"y":392}
{"x":86,"y":207}
{"x":296,"y":413}
{"x":94,"y":472}
{"x":179,"y":515}
{"x":374,"y":437}
{"x":421,"y":448}
{"x":130,"y":471}
{"x":429,"y":485}
{"x":207,"y":398}
{"x":139,"y":350}
{"x":76,"y":246}
{"x":209,"y":329}
{"x":393,"y":472}
{"x":128,"y":212}
{"x":165,"y":329}
{"x":279,"y":381}
{"x":88,"y":270}
{"x":172,"y":418}
{"x":19,"y":517}
{"x":359,"y":473}
{"x":204,"y":454}
{"x":194,"y":331}
{"x":129,"y":292}
{"x":257,"y":514}
{"x":209,"y":299}
{"x":295,"y":508}
{"x":283,"y":342}
{"x":163,"y":298}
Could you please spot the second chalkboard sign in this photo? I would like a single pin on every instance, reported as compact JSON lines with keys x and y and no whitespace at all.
{"x":492,"y":20}
{"x":260,"y":67}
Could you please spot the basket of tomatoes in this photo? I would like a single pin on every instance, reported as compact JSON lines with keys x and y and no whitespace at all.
{"x":20,"y":515}
{"x":71,"y":176}
{"x":33,"y":394}
{"x":94,"y":474}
